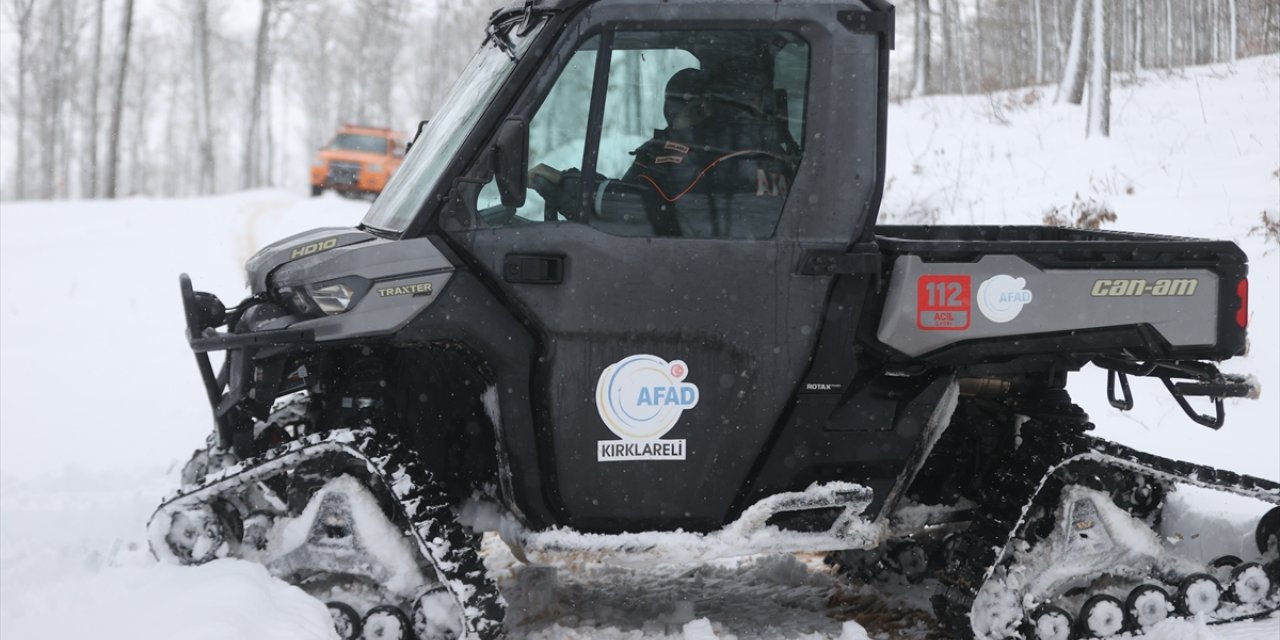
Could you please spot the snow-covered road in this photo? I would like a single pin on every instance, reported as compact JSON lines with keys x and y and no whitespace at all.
{"x":100,"y":401}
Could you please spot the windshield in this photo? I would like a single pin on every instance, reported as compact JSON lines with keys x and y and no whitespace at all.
{"x":444,"y":135}
{"x":356,"y":142}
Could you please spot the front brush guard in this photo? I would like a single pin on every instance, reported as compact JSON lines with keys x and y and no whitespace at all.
{"x":223,"y":389}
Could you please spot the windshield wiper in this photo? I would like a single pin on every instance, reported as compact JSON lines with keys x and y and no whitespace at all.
{"x":497,"y":33}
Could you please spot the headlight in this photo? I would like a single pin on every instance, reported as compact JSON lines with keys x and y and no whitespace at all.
{"x":374,"y":168}
{"x":329,"y":297}
{"x":333,"y":298}
{"x":296,"y":301}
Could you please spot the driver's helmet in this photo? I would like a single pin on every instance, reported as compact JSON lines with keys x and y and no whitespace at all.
{"x":685,"y":86}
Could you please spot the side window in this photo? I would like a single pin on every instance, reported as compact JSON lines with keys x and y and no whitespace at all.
{"x":557,"y":136}
{"x":790,"y":78}
{"x":701,"y":133}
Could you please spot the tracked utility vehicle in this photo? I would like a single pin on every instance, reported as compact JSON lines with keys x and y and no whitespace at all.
{"x":629,"y":280}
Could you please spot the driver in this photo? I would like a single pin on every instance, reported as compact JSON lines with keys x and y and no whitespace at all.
{"x":681,"y":159}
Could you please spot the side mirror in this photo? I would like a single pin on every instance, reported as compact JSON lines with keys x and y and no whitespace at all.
{"x":511,"y":161}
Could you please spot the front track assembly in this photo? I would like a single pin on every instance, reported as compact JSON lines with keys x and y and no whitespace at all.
{"x":352,"y":519}
{"x":1064,"y":547}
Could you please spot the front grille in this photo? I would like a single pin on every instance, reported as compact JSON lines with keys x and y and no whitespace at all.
{"x":343,"y":174}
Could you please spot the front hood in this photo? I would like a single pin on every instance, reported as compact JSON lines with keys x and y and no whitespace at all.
{"x":295,"y":247}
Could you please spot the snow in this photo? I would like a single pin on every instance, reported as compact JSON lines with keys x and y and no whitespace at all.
{"x":100,"y":403}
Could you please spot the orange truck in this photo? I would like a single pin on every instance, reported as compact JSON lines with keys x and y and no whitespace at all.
{"x":359,"y":160}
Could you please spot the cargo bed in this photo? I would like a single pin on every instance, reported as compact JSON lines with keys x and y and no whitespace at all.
{"x":960,"y":293}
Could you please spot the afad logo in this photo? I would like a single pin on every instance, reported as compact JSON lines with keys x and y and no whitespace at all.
{"x":640,"y":398}
{"x":1002,"y":297}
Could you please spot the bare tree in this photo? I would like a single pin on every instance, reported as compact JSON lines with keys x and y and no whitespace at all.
{"x":90,"y":186}
{"x":204,"y":120}
{"x":1071,"y":87}
{"x":1099,"y":118}
{"x":117,"y":109}
{"x":1038,"y":33}
{"x":1138,"y":36}
{"x":251,"y":170}
{"x":920,"y":56}
{"x":1234,"y":27}
{"x":20,"y":11}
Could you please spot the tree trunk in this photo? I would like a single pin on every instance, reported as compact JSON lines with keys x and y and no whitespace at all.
{"x":1059,"y":47}
{"x":1099,"y":119}
{"x":138,"y":156}
{"x":980,"y":60}
{"x":1071,"y":88}
{"x":204,"y":124}
{"x":921,"y":53}
{"x":1037,"y":30}
{"x":1214,"y":54}
{"x":947,"y":58}
{"x":957,"y":53}
{"x":1139,"y":34}
{"x":251,"y":175}
{"x":1234,"y":27}
{"x":22,"y":11}
{"x":1195,"y":39}
{"x":117,"y":109}
{"x":90,"y":187}
{"x":52,"y":104}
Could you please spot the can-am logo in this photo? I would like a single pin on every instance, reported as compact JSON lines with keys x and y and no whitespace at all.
{"x":640,"y":398}
{"x":1002,"y":297}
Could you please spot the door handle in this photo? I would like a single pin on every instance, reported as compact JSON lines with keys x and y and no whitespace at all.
{"x":522,"y":268}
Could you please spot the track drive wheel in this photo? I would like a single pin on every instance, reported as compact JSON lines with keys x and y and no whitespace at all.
{"x":1199,"y":593}
{"x":1050,"y":623}
{"x":1250,"y":583}
{"x":386,"y":622}
{"x":1147,"y":606}
{"x":1102,"y":616}
{"x":345,"y":620}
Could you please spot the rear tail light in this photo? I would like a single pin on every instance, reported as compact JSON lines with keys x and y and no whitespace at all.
{"x":1242,"y":314}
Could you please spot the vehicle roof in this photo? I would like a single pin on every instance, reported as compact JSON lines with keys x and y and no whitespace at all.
{"x":365,"y":130}
{"x":563,"y":5}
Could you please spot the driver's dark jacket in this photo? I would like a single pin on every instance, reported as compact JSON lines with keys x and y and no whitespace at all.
{"x":677,"y":176}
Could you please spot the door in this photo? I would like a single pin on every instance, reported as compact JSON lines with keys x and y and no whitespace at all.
{"x":654,"y":262}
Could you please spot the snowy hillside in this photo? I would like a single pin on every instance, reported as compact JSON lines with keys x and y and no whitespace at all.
{"x":100,"y":401}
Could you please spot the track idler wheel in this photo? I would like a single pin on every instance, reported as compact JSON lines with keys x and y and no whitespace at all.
{"x":1050,"y":623}
{"x":1102,"y":616}
{"x":1147,"y":606}
{"x":1267,"y":535}
{"x":197,"y":536}
{"x":386,"y":622}
{"x":1225,"y":562}
{"x":345,"y":620}
{"x":1250,"y":583}
{"x":435,"y":616}
{"x":1199,"y":593}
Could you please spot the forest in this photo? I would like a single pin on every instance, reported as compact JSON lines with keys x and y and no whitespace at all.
{"x":115,"y":98}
